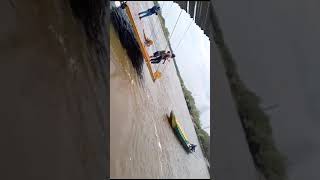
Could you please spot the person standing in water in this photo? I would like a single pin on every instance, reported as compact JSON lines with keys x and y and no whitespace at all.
{"x":154,"y":10}
{"x":123,"y":4}
{"x":164,"y":57}
{"x":148,"y":42}
{"x":159,"y":53}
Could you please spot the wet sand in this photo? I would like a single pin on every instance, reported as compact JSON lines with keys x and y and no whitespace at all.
{"x":52,"y":94}
{"x":142,"y":143}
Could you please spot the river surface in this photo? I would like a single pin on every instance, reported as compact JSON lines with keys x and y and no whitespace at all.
{"x":142,"y":143}
{"x":53,"y":93}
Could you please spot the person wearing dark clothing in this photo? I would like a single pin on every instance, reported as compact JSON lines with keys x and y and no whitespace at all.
{"x":156,"y":60}
{"x":154,"y":10}
{"x":159,"y":53}
{"x":123,"y":4}
{"x":164,"y":57}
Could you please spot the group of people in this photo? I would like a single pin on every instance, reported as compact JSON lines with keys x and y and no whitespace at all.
{"x":157,"y":56}
{"x":161,"y":55}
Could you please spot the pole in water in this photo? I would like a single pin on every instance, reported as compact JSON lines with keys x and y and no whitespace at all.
{"x":157,"y":75}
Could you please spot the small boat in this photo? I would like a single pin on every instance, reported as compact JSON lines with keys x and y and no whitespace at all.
{"x":177,"y":128}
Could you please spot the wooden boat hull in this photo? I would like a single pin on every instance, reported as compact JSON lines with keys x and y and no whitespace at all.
{"x":177,"y":128}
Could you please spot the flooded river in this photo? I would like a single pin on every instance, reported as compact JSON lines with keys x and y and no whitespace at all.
{"x":142,"y":143}
{"x":53,"y":93}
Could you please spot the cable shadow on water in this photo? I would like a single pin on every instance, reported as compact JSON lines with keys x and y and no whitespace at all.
{"x":127,"y":38}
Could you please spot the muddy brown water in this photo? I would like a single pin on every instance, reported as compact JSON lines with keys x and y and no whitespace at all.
{"x":142,"y":143}
{"x":53,"y":105}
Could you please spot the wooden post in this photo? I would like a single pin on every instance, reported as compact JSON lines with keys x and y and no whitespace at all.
{"x":141,"y":44}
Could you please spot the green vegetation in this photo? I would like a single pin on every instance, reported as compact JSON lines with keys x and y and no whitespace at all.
{"x":203,"y":136}
{"x":255,"y":121}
